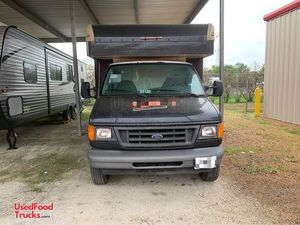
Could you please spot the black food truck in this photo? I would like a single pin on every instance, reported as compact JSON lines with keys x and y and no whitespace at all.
{"x":152,"y":112}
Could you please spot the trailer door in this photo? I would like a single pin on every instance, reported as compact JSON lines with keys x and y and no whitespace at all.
{"x":60,"y":86}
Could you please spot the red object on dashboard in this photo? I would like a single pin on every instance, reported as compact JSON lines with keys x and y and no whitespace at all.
{"x":154,"y":103}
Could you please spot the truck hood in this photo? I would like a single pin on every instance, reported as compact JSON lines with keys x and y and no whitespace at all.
{"x":117,"y":110}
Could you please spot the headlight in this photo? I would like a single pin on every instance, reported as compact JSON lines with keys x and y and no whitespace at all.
{"x":208,"y":131}
{"x":103,"y":133}
{"x":95,"y":133}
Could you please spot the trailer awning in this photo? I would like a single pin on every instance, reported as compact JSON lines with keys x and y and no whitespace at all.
{"x":50,"y":19}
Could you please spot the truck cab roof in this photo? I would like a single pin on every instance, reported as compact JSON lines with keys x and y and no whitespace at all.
{"x":150,"y":62}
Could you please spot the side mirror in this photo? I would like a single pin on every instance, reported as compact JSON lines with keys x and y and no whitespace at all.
{"x":206,"y":87}
{"x":85,"y":90}
{"x":217,"y":88}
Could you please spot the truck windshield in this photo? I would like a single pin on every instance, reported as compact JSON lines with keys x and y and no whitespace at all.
{"x":152,"y":79}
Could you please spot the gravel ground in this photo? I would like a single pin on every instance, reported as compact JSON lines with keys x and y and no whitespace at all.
{"x":172,"y":199}
{"x":136,"y":200}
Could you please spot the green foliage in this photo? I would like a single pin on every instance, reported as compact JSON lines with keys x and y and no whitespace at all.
{"x":239,"y":81}
{"x":237,"y":68}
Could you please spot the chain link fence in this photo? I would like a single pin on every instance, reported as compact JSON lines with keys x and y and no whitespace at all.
{"x":239,"y":87}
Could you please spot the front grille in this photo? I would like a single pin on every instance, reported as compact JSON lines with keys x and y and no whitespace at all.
{"x":170,"y":136}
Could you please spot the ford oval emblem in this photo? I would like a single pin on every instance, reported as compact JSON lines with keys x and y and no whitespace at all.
{"x":157,"y":136}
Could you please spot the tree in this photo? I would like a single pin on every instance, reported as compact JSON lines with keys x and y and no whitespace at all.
{"x":239,"y":80}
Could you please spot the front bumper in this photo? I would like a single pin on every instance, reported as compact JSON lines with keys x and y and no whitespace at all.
{"x":116,"y":161}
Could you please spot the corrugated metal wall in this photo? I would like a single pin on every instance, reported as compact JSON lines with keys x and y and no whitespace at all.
{"x":19,"y":48}
{"x":2,"y":30}
{"x":282,"y":68}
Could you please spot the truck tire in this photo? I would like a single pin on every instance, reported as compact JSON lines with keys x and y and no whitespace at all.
{"x":67,"y":115}
{"x":98,"y":177}
{"x":211,"y":175}
{"x":73,"y":113}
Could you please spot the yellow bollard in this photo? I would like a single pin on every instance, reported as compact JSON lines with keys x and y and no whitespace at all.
{"x":257,"y":101}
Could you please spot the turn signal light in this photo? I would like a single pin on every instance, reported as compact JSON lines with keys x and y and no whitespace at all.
{"x":220,"y":130}
{"x":91,"y":132}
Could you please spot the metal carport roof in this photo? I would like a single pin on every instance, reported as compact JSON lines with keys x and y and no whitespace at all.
{"x":50,"y":19}
{"x":53,"y":20}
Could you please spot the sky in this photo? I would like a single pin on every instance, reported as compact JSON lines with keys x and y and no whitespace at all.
{"x":245,"y":31}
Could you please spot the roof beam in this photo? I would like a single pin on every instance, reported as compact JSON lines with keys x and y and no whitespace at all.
{"x":195,"y":12}
{"x":12,"y":4}
{"x":57,"y":40}
{"x":89,"y":11}
{"x":136,"y":12}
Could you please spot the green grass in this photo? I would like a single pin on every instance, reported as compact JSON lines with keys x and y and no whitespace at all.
{"x":264,"y":121}
{"x":36,"y":188}
{"x":235,"y":150}
{"x":87,"y":109}
{"x":86,"y":112}
{"x":231,"y":100}
{"x":48,"y":168}
{"x":266,"y":170}
{"x":292,"y":131}
{"x":42,"y":169}
{"x":3,"y":173}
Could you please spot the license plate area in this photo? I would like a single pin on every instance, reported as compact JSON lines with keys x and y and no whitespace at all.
{"x":205,"y":162}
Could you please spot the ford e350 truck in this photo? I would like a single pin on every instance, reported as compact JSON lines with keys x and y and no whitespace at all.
{"x":152,"y":112}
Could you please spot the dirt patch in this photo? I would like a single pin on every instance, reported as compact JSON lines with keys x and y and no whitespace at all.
{"x":261,"y":161}
{"x":263,"y":156}
{"x":55,"y":148}
{"x":47,"y":149}
{"x":142,"y":199}
{"x":40,"y":170}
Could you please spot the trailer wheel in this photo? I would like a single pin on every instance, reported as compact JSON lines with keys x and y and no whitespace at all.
{"x":211,"y":175}
{"x":98,"y":177}
{"x":73,"y":113}
{"x":67,"y":115}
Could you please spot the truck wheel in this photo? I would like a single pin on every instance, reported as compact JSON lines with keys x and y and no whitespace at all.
{"x":98,"y":177}
{"x":211,"y":175}
{"x":73,"y":113}
{"x":67,"y":115}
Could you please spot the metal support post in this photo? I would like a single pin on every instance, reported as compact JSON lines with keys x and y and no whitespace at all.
{"x":221,"y":102}
{"x":75,"y":65}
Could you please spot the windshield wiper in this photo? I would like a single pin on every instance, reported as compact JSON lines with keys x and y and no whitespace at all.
{"x":140,"y":95}
{"x":192,"y":94}
{"x":179,"y":92}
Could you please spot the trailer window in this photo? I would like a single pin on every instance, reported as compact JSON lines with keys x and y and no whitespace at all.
{"x":70,"y":73}
{"x":55,"y":72}
{"x":152,"y":79}
{"x":30,"y":72}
